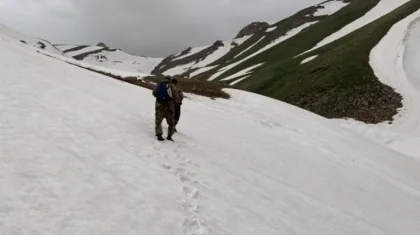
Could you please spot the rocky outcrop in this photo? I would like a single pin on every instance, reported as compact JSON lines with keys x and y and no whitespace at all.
{"x":101,"y":44}
{"x":252,"y":28}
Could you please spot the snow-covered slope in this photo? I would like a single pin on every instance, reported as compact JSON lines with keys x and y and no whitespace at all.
{"x":123,"y":61}
{"x":38,"y":43}
{"x":279,"y":40}
{"x":112,"y":58}
{"x":202,"y":65}
{"x":208,"y":59}
{"x":78,"y":156}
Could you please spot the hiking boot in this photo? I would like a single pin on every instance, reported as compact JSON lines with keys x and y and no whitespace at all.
{"x":160,"y":138}
{"x":170,"y":138}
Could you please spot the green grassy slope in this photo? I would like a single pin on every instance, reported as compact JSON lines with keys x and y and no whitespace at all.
{"x":339,"y":82}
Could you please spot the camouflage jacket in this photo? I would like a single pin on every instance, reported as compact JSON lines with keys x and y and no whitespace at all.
{"x":178,"y":95}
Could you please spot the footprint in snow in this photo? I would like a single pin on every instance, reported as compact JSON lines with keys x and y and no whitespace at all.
{"x":190,"y":192}
{"x":166,"y":166}
{"x":195,"y":227}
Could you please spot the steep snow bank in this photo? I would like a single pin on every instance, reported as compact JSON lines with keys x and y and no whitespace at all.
{"x":387,"y":60}
{"x":399,"y":67}
{"x":78,"y":156}
{"x":395,"y":62}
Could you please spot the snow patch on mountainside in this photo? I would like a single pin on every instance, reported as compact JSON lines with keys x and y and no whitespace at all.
{"x":242,"y":52}
{"x":271,"y":29}
{"x":239,"y":80}
{"x":274,"y":43}
{"x":219,"y":53}
{"x":382,"y":8}
{"x":202,"y":70}
{"x":179,"y":69}
{"x":308,"y":59}
{"x":330,"y":7}
{"x":242,"y":72}
{"x":193,"y":51}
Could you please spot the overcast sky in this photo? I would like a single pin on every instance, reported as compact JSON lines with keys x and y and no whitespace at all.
{"x":142,"y":27}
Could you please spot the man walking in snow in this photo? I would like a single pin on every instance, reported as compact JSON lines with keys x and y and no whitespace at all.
{"x":165,"y":108}
{"x":178,"y":97}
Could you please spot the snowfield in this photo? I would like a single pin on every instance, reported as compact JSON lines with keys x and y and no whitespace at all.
{"x":114,"y":60}
{"x":115,"y":72}
{"x":122,"y":61}
{"x":78,"y":156}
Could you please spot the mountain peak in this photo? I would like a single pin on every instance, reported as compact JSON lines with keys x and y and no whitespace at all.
{"x":101,"y":44}
{"x":252,"y":28}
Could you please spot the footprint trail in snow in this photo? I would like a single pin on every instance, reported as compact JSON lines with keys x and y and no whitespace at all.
{"x":184,"y":169}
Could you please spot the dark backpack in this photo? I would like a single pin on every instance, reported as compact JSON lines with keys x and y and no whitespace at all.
{"x":162,"y":93}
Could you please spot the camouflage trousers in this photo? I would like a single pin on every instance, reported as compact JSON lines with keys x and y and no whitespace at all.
{"x":165,"y":111}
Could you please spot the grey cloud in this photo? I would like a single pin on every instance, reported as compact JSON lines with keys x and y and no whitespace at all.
{"x":156,"y":27}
